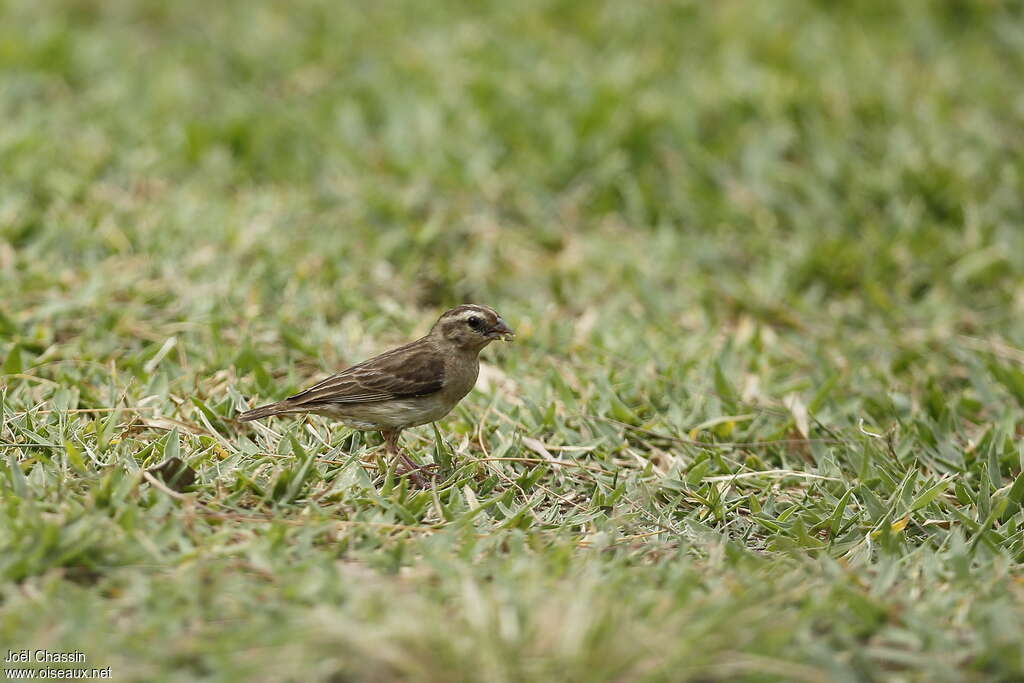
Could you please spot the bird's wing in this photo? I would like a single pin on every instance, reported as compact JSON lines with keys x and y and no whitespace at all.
{"x":416,"y":369}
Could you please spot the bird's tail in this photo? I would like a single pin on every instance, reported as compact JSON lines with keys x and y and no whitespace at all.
{"x":265,"y":411}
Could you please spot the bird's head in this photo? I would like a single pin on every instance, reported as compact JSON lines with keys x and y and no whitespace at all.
{"x":471,"y":327}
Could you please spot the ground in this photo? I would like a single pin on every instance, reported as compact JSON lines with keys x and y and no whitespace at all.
{"x":763,"y":419}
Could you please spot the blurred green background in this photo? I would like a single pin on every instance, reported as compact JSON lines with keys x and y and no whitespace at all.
{"x":735,"y":238}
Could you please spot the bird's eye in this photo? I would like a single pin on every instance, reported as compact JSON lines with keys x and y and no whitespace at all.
{"x":474,"y":322}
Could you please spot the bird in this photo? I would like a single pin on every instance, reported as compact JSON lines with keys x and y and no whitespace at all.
{"x":408,"y":386}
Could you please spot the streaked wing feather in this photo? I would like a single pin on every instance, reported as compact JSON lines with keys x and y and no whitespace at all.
{"x":416,"y":369}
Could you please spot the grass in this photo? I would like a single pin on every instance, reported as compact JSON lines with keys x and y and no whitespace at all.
{"x":763,"y":420}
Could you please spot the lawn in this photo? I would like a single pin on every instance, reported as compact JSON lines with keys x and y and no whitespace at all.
{"x":763,"y":419}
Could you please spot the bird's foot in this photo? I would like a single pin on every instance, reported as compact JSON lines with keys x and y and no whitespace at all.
{"x":419,"y":475}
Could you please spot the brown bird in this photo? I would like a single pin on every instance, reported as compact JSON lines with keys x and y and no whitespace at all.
{"x":405,"y":387}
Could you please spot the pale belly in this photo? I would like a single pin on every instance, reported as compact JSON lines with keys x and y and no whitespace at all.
{"x":395,"y":414}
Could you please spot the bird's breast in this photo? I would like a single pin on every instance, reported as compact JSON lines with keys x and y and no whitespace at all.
{"x":459,"y":377}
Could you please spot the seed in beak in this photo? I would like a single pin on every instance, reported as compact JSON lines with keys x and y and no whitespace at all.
{"x":502,"y":331}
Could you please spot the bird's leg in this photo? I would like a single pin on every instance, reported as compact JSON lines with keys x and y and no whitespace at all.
{"x":392,"y":449}
{"x":390,"y":441}
{"x":405,"y":465}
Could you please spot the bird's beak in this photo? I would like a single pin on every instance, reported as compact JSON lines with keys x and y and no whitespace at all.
{"x":501,"y":331}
